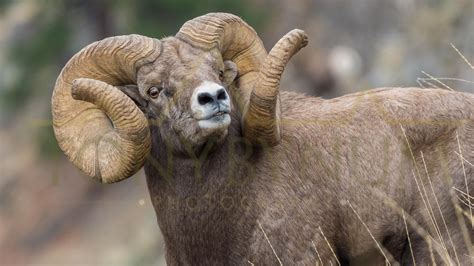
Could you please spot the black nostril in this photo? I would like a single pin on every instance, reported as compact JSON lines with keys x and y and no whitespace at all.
{"x":204,"y":98}
{"x":221,"y":94}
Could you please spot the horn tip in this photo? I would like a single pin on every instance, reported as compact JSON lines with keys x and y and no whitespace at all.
{"x":301,"y":34}
{"x":76,"y":88}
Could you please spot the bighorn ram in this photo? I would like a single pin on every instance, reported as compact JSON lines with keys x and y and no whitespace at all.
{"x":239,"y":172}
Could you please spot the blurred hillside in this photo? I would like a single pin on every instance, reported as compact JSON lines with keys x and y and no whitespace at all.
{"x":51,"y":214}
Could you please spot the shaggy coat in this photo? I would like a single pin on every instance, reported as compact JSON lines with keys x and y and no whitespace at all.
{"x":337,"y":187}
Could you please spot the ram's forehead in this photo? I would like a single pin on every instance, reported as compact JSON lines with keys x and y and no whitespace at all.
{"x":209,"y":57}
{"x":180,"y":62}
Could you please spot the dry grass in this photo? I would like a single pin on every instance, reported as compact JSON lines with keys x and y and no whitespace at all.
{"x":465,"y":198}
{"x":329,"y":245}
{"x":464,"y":172}
{"x":317,"y":253}
{"x":268,"y":240}
{"x":423,"y":193}
{"x":428,"y":81}
{"x":436,"y":244}
{"x":462,"y":56}
{"x":439,"y":207}
{"x":437,"y":80}
{"x":408,"y":237}
{"x":386,"y":255}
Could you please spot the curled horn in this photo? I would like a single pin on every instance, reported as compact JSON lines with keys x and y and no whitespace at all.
{"x":261,"y":119}
{"x":97,"y":126}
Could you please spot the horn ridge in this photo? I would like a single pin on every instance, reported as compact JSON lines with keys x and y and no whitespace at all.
{"x":261,"y":119}
{"x":97,"y":126}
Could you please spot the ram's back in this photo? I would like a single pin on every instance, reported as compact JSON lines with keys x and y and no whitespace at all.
{"x":356,"y":160}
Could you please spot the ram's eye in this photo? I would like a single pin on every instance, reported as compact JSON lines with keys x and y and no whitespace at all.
{"x":153,"y":92}
{"x":221,"y":75}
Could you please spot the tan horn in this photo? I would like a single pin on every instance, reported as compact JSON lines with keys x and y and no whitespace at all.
{"x":97,"y":126}
{"x":261,"y":118}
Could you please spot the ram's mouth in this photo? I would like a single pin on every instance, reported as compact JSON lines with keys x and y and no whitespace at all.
{"x":216,"y":115}
{"x":219,"y":114}
{"x":218,"y":119}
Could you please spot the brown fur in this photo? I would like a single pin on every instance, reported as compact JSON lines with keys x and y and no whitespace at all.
{"x":341,"y":167}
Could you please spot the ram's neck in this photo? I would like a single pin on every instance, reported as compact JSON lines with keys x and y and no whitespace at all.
{"x":203,"y":204}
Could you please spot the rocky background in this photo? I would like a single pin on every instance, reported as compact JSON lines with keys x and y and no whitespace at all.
{"x":51,"y":214}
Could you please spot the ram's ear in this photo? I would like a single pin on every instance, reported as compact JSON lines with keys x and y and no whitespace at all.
{"x":230,"y":72}
{"x":133,"y":92}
